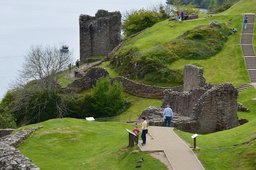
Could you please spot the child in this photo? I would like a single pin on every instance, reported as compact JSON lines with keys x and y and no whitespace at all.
{"x":136,"y":131}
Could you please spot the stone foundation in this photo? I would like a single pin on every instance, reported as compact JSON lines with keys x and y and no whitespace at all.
{"x":10,"y":157}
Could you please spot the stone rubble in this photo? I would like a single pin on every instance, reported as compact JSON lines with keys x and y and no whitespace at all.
{"x":10,"y":157}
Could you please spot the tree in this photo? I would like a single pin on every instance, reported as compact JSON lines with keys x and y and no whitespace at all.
{"x":43,"y":64}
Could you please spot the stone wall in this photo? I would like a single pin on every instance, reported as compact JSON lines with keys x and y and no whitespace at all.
{"x":182,"y":102}
{"x":193,"y":77}
{"x":202,"y":108}
{"x":216,"y":109}
{"x":142,"y":90}
{"x":88,"y":80}
{"x":10,"y":157}
{"x":100,"y":34}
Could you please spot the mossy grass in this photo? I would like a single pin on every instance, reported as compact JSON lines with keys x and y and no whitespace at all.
{"x":65,"y":144}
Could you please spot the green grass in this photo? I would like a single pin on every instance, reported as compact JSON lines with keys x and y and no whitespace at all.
{"x":231,"y":149}
{"x":112,"y":72}
{"x":138,"y":105}
{"x":226,"y":66}
{"x":67,"y":144}
{"x":166,"y":31}
{"x":64,"y":81}
{"x":243,"y":6}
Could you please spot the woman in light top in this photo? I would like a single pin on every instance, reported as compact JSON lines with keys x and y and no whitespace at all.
{"x":144,"y":129}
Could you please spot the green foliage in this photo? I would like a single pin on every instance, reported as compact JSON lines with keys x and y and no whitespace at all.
{"x":201,"y":42}
{"x":149,"y":65}
{"x":222,"y":8}
{"x":106,"y":99}
{"x":32,"y":106}
{"x":152,"y":65}
{"x":139,"y":20}
{"x":202,"y":3}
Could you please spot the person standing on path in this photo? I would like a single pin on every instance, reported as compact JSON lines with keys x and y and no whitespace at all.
{"x":168,"y":114}
{"x":182,"y":15}
{"x":144,"y":129}
{"x":245,"y":22}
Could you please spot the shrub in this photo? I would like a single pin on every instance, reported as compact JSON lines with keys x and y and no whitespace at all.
{"x":139,"y":20}
{"x":106,"y":99}
{"x":6,"y":119}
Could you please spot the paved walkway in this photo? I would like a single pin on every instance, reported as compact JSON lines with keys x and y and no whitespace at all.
{"x":247,"y":48}
{"x":180,"y":156}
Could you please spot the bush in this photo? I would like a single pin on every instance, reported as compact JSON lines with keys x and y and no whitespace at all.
{"x":139,"y":20}
{"x":106,"y":99}
{"x":33,"y":106}
{"x":6,"y":120}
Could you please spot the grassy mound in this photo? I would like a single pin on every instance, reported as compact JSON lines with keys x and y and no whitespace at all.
{"x":152,"y":64}
{"x":230,"y":149}
{"x":64,"y":144}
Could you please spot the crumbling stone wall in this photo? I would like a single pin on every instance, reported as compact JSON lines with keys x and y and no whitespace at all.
{"x":193,"y":77}
{"x":183,"y":102}
{"x":100,"y":34}
{"x":88,"y":80}
{"x":201,"y":108}
{"x":216,"y":109}
{"x":142,"y":90}
{"x":10,"y":157}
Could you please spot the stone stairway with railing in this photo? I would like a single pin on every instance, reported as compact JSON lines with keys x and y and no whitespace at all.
{"x":248,"y":49}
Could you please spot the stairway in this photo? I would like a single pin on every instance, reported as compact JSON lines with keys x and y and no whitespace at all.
{"x":247,"y":48}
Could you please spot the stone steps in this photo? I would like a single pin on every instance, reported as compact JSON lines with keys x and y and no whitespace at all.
{"x":247,"y":50}
{"x":246,"y":39}
{"x":250,"y":62}
{"x":249,"y":28}
{"x":252,"y":74}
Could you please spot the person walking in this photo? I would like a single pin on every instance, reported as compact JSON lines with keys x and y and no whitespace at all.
{"x":144,"y":129}
{"x":168,"y":114}
{"x":182,"y":15}
{"x":245,"y":22}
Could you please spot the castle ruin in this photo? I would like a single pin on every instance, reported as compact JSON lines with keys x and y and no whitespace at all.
{"x":200,"y":107}
{"x":99,"y":35}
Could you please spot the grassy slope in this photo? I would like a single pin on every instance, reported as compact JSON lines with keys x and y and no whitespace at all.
{"x":67,"y":144}
{"x":138,"y":104}
{"x":216,"y":70}
{"x":230,"y":149}
{"x":243,"y":6}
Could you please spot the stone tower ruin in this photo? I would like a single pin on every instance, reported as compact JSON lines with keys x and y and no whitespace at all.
{"x":99,"y":35}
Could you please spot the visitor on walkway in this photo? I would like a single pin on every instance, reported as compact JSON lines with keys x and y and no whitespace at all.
{"x":177,"y":15}
{"x":144,"y":129}
{"x":168,"y":114}
{"x":245,"y":22}
{"x":77,"y":63}
{"x":182,"y":15}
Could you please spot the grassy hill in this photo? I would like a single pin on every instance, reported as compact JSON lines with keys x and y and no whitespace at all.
{"x":67,"y":144}
{"x":215,"y":67}
{"x":243,"y":6}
